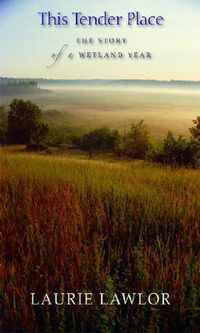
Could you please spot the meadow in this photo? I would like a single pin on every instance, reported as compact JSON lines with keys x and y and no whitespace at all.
{"x":72,"y":224}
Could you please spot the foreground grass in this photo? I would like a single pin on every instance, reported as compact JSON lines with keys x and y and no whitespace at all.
{"x":70,"y":224}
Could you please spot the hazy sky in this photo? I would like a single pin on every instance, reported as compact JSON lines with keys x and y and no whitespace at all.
{"x":27,"y":46}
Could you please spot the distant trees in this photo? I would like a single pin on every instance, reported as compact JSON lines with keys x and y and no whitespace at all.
{"x":25,"y":124}
{"x":8,"y":82}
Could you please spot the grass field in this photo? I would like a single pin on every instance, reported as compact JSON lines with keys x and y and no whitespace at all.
{"x":73,"y":224}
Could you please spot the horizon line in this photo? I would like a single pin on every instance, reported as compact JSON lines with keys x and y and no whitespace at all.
{"x":99,"y":79}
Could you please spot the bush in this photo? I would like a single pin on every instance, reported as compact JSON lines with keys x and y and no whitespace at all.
{"x":195,"y":129}
{"x":175,"y":152}
{"x":136,"y":143}
{"x":100,"y":139}
{"x":36,"y":147}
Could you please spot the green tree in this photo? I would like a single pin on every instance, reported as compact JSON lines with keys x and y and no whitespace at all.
{"x":24,"y":123}
{"x":137,"y":142}
{"x":100,"y":139}
{"x":195,"y":129}
{"x":176,"y":152}
{"x":3,"y":126}
{"x":195,"y":139}
{"x":40,"y":134}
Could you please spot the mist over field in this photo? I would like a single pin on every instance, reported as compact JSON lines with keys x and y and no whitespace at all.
{"x":82,"y":105}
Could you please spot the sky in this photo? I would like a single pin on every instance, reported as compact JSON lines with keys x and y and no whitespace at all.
{"x":27,"y":47}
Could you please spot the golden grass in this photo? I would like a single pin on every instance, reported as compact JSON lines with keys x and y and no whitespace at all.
{"x":73,"y":224}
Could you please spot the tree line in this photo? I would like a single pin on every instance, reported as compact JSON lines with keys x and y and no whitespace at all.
{"x":23,"y":124}
{"x":8,"y":82}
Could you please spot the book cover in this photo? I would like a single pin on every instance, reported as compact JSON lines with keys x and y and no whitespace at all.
{"x":99,"y":172}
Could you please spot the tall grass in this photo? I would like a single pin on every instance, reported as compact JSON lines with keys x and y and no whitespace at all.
{"x":75,"y":225}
